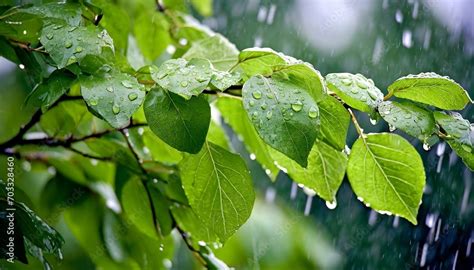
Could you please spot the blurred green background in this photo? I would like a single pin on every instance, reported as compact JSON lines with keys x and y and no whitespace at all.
{"x":383,"y":40}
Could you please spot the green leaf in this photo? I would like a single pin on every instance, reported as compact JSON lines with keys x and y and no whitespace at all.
{"x":219,"y":189}
{"x":223,"y":79}
{"x":137,"y":207}
{"x":222,"y":54}
{"x":387,"y":173}
{"x":113,"y":95}
{"x":285,"y":116}
{"x":325,"y":171}
{"x":305,"y":76}
{"x":183,"y":124}
{"x":161,"y":209}
{"x":151,"y":32}
{"x":117,"y":23}
{"x":189,"y":222}
{"x":335,"y":121}
{"x":460,"y":135}
{"x":263,"y":61}
{"x":355,"y":90}
{"x":408,"y":117}
{"x":72,"y":44}
{"x":184,"y":78}
{"x":432,"y":89}
{"x":69,"y":12}
{"x":233,"y":112}
{"x":47,"y":93}
{"x":22,"y":27}
{"x":217,"y":136}
{"x":159,"y":150}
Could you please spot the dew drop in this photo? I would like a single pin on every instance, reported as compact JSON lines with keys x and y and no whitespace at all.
{"x":132,"y":96}
{"x":269,"y":115}
{"x":252,"y":103}
{"x":392,"y":128}
{"x":373,"y":121}
{"x":372,"y":95}
{"x":93,"y":102}
{"x":71,"y":60}
{"x":257,"y":95}
{"x":297,"y":106}
{"x":253,"y":156}
{"x":110,"y":89}
{"x":68,"y":44}
{"x":254,"y":115}
{"x":78,"y":49}
{"x":49,"y":36}
{"x":270,"y":96}
{"x":347,"y":82}
{"x":331,"y":205}
{"x":313,"y":112}
{"x":361,"y":84}
{"x":115,"y":109}
{"x":127,"y":84}
{"x":354,"y":91}
{"x":426,"y":147}
{"x":263,"y":106}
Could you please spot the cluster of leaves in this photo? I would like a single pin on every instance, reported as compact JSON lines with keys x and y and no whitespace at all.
{"x":142,"y":138}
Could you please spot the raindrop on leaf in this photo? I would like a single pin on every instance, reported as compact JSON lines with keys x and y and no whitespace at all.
{"x":257,"y":95}
{"x":313,"y":112}
{"x":115,"y":109}
{"x":132,"y":96}
{"x":297,"y":106}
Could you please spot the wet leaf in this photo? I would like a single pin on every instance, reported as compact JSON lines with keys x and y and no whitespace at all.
{"x":334,"y":122}
{"x":432,"y":89}
{"x":285,"y":116}
{"x":263,"y":61}
{"x":387,"y":173}
{"x":355,"y":90}
{"x":223,"y":80}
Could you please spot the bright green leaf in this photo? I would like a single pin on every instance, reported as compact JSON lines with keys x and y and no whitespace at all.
{"x":408,"y":117}
{"x":305,"y":76}
{"x":325,"y":171}
{"x":204,"y":7}
{"x":263,"y":61}
{"x":335,"y":121}
{"x":432,"y":89}
{"x":387,"y":174}
{"x":151,"y":32}
{"x":219,"y":189}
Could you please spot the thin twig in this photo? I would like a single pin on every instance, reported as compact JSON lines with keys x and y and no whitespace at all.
{"x":360,"y":131}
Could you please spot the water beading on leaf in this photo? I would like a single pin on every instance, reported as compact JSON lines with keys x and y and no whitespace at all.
{"x":432,"y":89}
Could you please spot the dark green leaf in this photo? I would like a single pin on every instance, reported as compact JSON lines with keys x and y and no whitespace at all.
{"x":285,"y":116}
{"x":387,"y":174}
{"x":219,"y":189}
{"x":432,"y":89}
{"x":181,"y":123}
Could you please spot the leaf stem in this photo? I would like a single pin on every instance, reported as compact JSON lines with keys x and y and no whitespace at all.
{"x":359,"y":130}
{"x":388,"y":96}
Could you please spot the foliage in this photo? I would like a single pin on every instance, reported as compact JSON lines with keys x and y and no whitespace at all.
{"x":127,"y":116}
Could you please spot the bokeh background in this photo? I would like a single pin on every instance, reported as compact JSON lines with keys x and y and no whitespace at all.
{"x":383,"y":40}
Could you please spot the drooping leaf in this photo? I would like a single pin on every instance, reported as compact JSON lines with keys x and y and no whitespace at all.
{"x":152,"y":33}
{"x":355,"y":90}
{"x":233,"y":112}
{"x":335,"y":121}
{"x":181,"y":123}
{"x":432,"y":89}
{"x":47,"y":93}
{"x":325,"y":171}
{"x":222,"y":54}
{"x":460,"y":135}
{"x":87,"y":45}
{"x":408,"y":117}
{"x":219,"y":189}
{"x":285,"y":116}
{"x":387,"y":174}
{"x":184,"y":78}
{"x":113,"y":95}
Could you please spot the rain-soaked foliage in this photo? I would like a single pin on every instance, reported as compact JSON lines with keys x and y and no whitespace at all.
{"x":251,"y":134}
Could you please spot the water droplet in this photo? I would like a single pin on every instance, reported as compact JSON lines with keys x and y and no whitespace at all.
{"x":184,"y":83}
{"x":269,"y":115}
{"x":263,"y":106}
{"x":372,"y":95}
{"x":354,"y":90}
{"x":110,"y":89}
{"x":361,"y":84}
{"x":331,"y":205}
{"x":49,"y":36}
{"x":254,"y":115}
{"x":93,"y":102}
{"x":71,"y":60}
{"x":426,"y":147}
{"x":297,"y":106}
{"x":78,"y":49}
{"x":260,"y":82}
{"x":347,"y":82}
{"x":252,"y":156}
{"x":407,"y":116}
{"x":115,"y":109}
{"x":392,"y":128}
{"x":252,"y":103}
{"x":313,"y":112}
{"x":132,"y":96}
{"x":373,"y":121}
{"x":21,"y":66}
{"x":398,"y":16}
{"x":72,"y":29}
{"x":68,"y":44}
{"x":257,"y":95}
{"x":127,"y":84}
